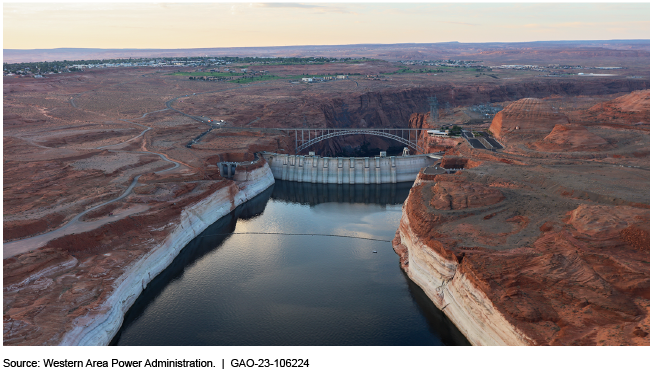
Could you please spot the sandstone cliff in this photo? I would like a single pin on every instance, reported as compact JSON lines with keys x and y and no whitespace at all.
{"x":571,"y":137}
{"x":395,"y":107}
{"x":76,"y":289}
{"x":526,"y":117}
{"x":507,"y":269}
{"x":451,"y":193}
{"x":633,"y":108}
{"x":429,"y":143}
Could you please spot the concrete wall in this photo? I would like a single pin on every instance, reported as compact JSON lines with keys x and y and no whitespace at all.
{"x":371,"y":170}
{"x":232,"y":169}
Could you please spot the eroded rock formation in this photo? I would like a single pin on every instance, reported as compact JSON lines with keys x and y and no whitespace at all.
{"x":430,"y":144}
{"x":526,"y":117}
{"x":571,"y":137}
{"x":76,"y":289}
{"x":529,"y":279}
{"x":73,"y":141}
{"x":630,"y":109}
{"x":451,"y":193}
{"x":545,"y":242}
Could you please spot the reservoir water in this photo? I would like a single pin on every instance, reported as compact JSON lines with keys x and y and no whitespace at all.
{"x":293,"y":266}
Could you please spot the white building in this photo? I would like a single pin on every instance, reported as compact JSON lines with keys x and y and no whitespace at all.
{"x":307,"y":80}
{"x":437,"y":133}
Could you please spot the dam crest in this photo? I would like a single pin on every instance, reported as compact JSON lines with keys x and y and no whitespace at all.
{"x":348,"y":170}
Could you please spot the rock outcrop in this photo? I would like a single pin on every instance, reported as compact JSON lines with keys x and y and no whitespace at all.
{"x":430,"y":144}
{"x":571,"y":137}
{"x":436,"y":269}
{"x":76,"y":289}
{"x":455,"y":162}
{"x":395,"y":107}
{"x":528,"y":279}
{"x":525,"y":117}
{"x":451,"y":193}
{"x":631,"y":108}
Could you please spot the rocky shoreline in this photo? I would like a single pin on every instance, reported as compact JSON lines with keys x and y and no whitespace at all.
{"x":99,"y":329}
{"x":102,"y":319}
{"x":526,"y":279}
{"x":449,"y":286}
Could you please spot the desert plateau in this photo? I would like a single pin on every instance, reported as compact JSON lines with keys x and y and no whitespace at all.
{"x":533,"y":227}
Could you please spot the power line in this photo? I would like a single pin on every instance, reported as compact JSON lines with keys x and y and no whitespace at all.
{"x":296,"y":234}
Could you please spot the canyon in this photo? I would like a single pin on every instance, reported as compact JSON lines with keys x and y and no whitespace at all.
{"x":95,"y":283}
{"x":544,"y":242}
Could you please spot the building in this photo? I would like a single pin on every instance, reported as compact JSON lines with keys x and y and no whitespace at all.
{"x":307,"y":80}
{"x":438,"y":133}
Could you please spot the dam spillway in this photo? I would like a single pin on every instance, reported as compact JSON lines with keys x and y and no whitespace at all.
{"x":348,"y":170}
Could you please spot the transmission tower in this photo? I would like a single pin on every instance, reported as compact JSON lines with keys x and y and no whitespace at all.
{"x":433,"y":113}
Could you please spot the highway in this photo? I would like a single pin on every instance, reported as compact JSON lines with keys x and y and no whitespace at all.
{"x":16,"y":247}
{"x":475,"y":143}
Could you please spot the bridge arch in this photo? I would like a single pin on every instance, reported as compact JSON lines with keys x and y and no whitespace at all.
{"x":391,"y":133}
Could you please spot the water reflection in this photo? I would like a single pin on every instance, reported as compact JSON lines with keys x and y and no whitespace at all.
{"x":316,"y":193}
{"x":209,"y":240}
{"x":239,"y":289}
{"x":436,"y":319}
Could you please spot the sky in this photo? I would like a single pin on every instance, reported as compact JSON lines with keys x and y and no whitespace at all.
{"x":213,"y":25}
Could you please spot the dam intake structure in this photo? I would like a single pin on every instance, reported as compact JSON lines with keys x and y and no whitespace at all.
{"x":348,"y":170}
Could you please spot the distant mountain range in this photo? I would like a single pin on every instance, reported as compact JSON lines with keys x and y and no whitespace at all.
{"x":530,"y":52}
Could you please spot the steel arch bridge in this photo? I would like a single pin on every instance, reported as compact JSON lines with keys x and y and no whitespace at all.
{"x":305,"y":138}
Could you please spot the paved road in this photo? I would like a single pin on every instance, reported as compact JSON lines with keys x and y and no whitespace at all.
{"x":494,"y":143}
{"x":131,"y":139}
{"x":476,"y":143}
{"x":13,"y":248}
{"x":147,"y":113}
{"x":73,"y":226}
{"x":124,"y":195}
{"x":163,"y":157}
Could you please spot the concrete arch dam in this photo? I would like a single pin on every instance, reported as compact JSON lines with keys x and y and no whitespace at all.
{"x":369,"y":170}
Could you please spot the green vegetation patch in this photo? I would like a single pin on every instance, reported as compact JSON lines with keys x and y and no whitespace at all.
{"x":416,"y":71}
{"x":250,"y":79}
{"x":201,"y":73}
{"x":455,"y":131}
{"x":360,"y":60}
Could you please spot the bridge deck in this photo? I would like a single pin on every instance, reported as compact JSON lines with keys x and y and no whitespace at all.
{"x":306,"y":137}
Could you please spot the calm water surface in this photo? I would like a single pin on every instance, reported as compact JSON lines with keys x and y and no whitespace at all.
{"x":228,"y":287}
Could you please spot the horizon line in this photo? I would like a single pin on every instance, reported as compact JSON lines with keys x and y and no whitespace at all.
{"x":333,"y":45}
